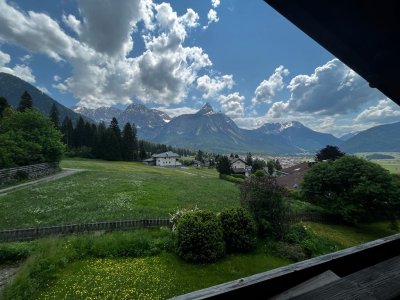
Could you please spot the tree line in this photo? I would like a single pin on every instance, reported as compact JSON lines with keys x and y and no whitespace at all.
{"x":108,"y":142}
{"x":28,"y":137}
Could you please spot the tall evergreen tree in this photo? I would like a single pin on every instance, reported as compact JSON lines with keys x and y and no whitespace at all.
{"x":135,"y":143}
{"x":278,"y":165}
{"x":68,"y":130}
{"x":270,"y":167}
{"x":223,"y":165}
{"x":142,"y":151}
{"x":127,"y":142}
{"x":115,"y":127}
{"x":249,"y":159}
{"x":25,"y":102}
{"x":112,"y":145}
{"x":54,"y":115}
{"x":79,"y":134}
{"x":3,"y":105}
{"x":100,"y":139}
{"x":200,"y":156}
{"x":88,"y":135}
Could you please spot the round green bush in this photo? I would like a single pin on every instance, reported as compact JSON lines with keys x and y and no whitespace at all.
{"x":239,"y":230}
{"x":200,"y":237}
{"x":259,"y":173}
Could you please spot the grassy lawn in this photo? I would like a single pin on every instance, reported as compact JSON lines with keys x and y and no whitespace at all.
{"x":392,"y":165}
{"x":165,"y":275}
{"x":156,"y":277}
{"x":349,"y":236}
{"x":115,"y":190}
{"x":137,"y":264}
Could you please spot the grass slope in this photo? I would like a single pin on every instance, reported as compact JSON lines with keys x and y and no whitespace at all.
{"x":115,"y":190}
{"x":156,"y":277}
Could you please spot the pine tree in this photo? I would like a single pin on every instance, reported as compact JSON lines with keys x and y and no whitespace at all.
{"x":100,"y":139}
{"x":25,"y":102}
{"x":249,"y":159}
{"x":223,"y":165}
{"x":115,"y":127}
{"x":3,"y":105}
{"x":142,"y":151}
{"x":54,"y":115}
{"x":79,"y":134}
{"x":200,"y":156}
{"x":270,"y":167}
{"x":278,"y":165}
{"x":115,"y":139}
{"x":112,"y":145}
{"x":68,"y":130}
{"x":88,"y":141}
{"x":127,"y":142}
{"x":135,"y":143}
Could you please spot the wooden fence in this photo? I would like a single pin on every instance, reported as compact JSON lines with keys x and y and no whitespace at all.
{"x":31,"y":171}
{"x":39,"y":232}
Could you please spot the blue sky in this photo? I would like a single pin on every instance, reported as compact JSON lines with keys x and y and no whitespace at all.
{"x":241,"y":56}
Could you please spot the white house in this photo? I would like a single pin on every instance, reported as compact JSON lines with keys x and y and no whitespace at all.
{"x":239,"y":166}
{"x":166,"y":159}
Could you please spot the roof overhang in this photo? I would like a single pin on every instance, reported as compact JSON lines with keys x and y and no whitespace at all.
{"x":363,"y":34}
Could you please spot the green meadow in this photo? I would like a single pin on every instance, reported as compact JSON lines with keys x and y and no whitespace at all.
{"x":392,"y":165}
{"x":137,"y":264}
{"x":115,"y":191}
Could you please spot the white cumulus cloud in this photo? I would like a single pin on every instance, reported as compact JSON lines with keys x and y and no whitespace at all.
{"x":103,"y":72}
{"x":385,"y":111}
{"x":333,"y":89}
{"x":232,"y":105}
{"x":267,"y":89}
{"x":22,"y":71}
{"x":215,"y":3}
{"x":212,"y":86}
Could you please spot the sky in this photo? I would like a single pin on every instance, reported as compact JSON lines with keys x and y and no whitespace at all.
{"x":242,"y":57}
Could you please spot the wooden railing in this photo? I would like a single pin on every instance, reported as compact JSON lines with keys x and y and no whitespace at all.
{"x":38,"y":232}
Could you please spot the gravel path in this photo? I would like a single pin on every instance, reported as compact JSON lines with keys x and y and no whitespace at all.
{"x":63,"y":173}
{"x":6,"y":275}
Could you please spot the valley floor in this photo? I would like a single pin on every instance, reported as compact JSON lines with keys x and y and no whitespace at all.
{"x":101,"y":266}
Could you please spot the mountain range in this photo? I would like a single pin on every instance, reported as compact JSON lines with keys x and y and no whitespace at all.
{"x":215,"y":131}
{"x":382,"y":138}
{"x":210,"y":130}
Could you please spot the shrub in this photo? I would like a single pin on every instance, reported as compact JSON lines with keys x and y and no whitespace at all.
{"x":264,"y":198}
{"x":311,"y":244}
{"x":239,"y":176}
{"x":259,"y":173}
{"x":239,"y":230}
{"x":296,"y":234}
{"x":12,"y":252}
{"x":293,"y":252}
{"x":354,"y":188}
{"x":315,"y":245}
{"x":174,"y":218}
{"x":200,"y":237}
{"x":231,"y":178}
